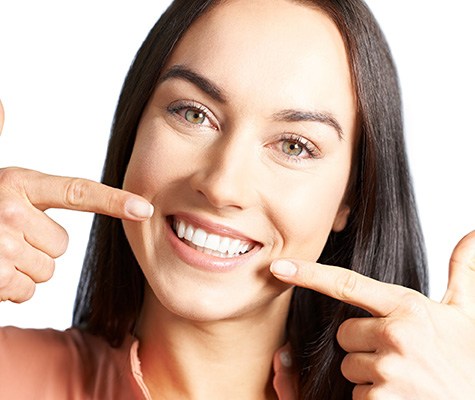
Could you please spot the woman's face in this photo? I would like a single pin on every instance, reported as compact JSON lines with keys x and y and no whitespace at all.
{"x":245,"y":151}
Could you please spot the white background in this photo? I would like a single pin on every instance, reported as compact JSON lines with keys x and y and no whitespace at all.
{"x":62,"y":65}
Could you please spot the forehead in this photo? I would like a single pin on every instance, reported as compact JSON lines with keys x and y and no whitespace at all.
{"x":270,"y":49}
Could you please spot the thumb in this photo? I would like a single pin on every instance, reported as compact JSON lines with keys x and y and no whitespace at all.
{"x":461,"y":286}
{"x":285,"y":375}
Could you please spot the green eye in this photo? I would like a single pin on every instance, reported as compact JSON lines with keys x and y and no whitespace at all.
{"x":292,"y":148}
{"x":195,"y":116}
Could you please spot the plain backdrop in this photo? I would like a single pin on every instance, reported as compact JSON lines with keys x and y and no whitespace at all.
{"x":62,"y":65}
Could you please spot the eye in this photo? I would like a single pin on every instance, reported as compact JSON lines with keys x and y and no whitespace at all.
{"x":192,"y":113}
{"x":296,"y":148}
{"x":292,"y":148}
{"x":195,"y":116}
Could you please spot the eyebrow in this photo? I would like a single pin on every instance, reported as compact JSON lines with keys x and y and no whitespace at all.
{"x":218,"y":94}
{"x":182,"y":72}
{"x":312,"y":116}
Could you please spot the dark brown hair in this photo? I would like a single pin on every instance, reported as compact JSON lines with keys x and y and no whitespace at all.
{"x":382,"y":238}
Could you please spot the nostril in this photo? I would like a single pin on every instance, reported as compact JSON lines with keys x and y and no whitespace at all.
{"x":222,"y":183}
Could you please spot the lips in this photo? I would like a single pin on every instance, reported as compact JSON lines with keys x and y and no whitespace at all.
{"x":207,"y":240}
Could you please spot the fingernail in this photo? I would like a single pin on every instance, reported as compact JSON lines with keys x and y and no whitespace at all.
{"x":139,"y":208}
{"x":285,"y":359}
{"x":283,"y":268}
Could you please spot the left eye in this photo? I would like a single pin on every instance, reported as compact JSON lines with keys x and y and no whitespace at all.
{"x":296,"y":147}
{"x":292,"y":148}
{"x":196,"y":117}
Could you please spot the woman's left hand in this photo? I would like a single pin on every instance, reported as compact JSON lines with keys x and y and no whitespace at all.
{"x":412,"y":347}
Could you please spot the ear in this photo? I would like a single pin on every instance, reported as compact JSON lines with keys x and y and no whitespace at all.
{"x":341,"y":218}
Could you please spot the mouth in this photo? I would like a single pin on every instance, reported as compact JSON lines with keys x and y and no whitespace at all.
{"x":207,"y":241}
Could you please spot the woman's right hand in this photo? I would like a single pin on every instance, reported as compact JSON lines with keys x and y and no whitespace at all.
{"x":30,"y":240}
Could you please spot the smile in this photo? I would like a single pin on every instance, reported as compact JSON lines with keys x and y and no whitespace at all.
{"x":210,"y":243}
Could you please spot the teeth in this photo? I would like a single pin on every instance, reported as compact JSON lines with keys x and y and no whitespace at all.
{"x":199,"y":237}
{"x":180,"y":230}
{"x":233,"y":247}
{"x":224,"y":245}
{"x":211,"y":243}
{"x":243,"y":248}
{"x":189,"y":233}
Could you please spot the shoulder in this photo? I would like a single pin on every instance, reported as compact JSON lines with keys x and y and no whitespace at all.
{"x":26,"y":347}
{"x":51,"y":364}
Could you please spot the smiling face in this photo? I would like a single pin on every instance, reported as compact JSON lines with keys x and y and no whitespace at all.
{"x":245,"y":151}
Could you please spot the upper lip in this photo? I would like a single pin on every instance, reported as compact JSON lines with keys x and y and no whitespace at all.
{"x":212,"y":227}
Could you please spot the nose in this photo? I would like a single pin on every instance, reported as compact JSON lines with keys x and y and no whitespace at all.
{"x":226,"y":177}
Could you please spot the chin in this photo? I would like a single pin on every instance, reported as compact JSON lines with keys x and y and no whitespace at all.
{"x":202,"y":301}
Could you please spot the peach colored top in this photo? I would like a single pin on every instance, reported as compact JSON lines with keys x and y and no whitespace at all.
{"x":50,"y":364}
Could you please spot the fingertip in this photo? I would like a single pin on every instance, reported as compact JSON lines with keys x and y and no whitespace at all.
{"x":285,"y":374}
{"x":465,"y":249}
{"x":285,"y":359}
{"x":469,"y":237}
{"x":139,"y":209}
{"x":283,"y":268}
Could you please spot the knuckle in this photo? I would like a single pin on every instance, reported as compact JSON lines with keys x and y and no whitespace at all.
{"x":346,"y":285}
{"x":114,"y":199}
{"x":346,"y":366}
{"x":382,"y":392}
{"x":384,"y":369}
{"x":11,"y":213}
{"x":308,"y":275}
{"x":9,"y":176}
{"x":342,"y":332}
{"x":369,"y":393}
{"x":9,"y":248}
{"x":7,"y":277}
{"x":61,"y":244}
{"x":75,"y":193}
{"x":394,"y":334}
{"x":45,"y":270}
{"x":25,"y":293}
{"x":413,"y":302}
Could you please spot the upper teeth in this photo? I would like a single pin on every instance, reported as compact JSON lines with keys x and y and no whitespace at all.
{"x":211,"y":241}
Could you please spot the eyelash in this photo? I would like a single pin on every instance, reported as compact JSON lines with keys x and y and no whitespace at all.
{"x":175,"y":108}
{"x":312,"y":150}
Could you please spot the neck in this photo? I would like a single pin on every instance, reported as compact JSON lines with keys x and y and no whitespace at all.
{"x":229,"y":359}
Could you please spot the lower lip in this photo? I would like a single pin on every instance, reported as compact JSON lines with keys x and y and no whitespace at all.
{"x":203,"y":261}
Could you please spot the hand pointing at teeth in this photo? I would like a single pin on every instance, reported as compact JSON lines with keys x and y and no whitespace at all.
{"x":30,"y":240}
{"x":412,"y":347}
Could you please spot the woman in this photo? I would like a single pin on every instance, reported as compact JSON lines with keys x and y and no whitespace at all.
{"x":304,"y":161}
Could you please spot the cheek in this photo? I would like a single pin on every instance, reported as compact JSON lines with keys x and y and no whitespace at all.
{"x":306,"y":212}
{"x":154,"y":165}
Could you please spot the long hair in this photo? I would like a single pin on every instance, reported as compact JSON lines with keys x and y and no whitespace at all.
{"x":382,"y":239}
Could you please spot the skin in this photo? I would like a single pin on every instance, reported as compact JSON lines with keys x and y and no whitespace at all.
{"x":232,"y":169}
{"x":2,"y":116}
{"x":413,"y":347}
{"x":408,"y":332}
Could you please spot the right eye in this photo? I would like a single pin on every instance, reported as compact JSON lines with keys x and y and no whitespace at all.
{"x":192,"y":113}
{"x":195,"y":116}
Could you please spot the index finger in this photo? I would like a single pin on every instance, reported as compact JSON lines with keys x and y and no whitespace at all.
{"x":378,"y":298}
{"x":51,"y":191}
